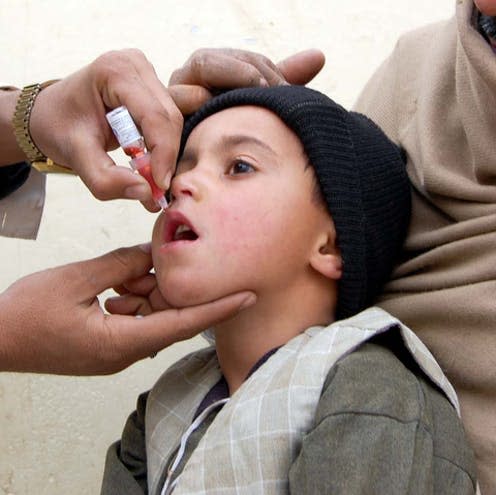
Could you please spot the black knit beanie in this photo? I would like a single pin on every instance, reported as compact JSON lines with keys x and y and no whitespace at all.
{"x":361,"y":174}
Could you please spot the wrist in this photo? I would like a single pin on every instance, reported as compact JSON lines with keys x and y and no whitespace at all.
{"x":40,"y":121}
{"x":11,"y":152}
{"x":22,"y":120}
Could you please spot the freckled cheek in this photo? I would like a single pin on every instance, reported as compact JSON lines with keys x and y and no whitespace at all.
{"x":242,"y":226}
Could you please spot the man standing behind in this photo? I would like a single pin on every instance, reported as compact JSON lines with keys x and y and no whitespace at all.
{"x":435,"y":96}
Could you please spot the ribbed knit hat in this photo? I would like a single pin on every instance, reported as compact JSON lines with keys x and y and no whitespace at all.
{"x":361,"y":174}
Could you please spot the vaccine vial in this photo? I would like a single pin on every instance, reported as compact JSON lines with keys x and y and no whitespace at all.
{"x":133,"y":144}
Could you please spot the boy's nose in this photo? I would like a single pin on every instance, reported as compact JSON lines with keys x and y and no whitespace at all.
{"x":186,"y":184}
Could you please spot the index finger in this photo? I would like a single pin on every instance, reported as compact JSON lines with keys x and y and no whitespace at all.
{"x":161,"y":125}
{"x":110,"y":270}
{"x":188,"y":97}
{"x":160,"y":144}
{"x":219,"y":70}
{"x":300,"y":68}
{"x":134,"y":84}
{"x":139,"y":337}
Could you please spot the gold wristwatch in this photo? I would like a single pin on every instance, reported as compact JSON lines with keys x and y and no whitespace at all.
{"x":50,"y":167}
{"x":20,"y":123}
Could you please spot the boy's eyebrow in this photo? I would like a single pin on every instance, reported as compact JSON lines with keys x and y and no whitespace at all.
{"x":235,"y":139}
{"x":230,"y":140}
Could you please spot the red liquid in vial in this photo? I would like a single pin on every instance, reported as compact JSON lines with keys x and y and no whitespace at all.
{"x":143,"y":167}
{"x":146,"y":173}
{"x":134,"y":151}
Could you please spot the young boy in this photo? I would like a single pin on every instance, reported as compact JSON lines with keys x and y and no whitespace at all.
{"x":283,"y":192}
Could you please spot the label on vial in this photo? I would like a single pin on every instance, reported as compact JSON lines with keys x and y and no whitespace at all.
{"x":122,"y":124}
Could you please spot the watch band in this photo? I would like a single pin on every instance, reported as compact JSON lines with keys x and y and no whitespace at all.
{"x":20,"y":120}
{"x":50,"y":167}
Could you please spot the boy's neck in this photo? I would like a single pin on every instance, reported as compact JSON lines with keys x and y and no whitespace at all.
{"x":272,"y":322}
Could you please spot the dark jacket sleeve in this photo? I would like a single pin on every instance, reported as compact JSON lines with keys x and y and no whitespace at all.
{"x":125,"y":465}
{"x":12,"y":177}
{"x":381,"y":429}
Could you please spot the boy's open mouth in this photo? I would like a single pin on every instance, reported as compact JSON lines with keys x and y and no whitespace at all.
{"x":178,"y":228}
{"x":184,"y":233}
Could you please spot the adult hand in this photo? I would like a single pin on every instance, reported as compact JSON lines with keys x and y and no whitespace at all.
{"x":487,"y":7}
{"x":52,"y":321}
{"x":68,"y":123}
{"x":140,"y":296}
{"x":224,"y":68}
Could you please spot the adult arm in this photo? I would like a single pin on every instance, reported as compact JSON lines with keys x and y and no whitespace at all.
{"x":52,"y":321}
{"x":13,"y":222}
{"x":68,"y":123}
{"x":381,"y":429}
{"x":10,"y":151}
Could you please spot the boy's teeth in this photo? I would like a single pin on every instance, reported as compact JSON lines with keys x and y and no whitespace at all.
{"x":183,"y":232}
{"x":179,"y":231}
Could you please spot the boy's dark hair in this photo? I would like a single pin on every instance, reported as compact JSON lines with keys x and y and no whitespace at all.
{"x":362,"y":178}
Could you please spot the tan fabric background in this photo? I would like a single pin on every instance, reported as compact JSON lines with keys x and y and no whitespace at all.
{"x":436,"y":96}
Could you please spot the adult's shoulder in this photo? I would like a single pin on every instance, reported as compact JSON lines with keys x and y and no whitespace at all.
{"x":390,"y":96}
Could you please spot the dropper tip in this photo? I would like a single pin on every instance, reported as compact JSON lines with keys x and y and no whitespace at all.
{"x":162,"y":202}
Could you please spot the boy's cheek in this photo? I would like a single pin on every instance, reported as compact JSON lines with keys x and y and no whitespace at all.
{"x":157,"y":228}
{"x":157,"y":240}
{"x":244,"y":223}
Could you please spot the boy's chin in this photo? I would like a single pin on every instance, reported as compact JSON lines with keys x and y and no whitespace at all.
{"x":181,"y":296}
{"x":186,"y":295}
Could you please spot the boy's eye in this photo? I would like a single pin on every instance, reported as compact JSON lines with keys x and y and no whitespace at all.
{"x":241,"y":167}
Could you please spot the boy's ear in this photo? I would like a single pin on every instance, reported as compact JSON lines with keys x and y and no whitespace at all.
{"x":326,"y":258}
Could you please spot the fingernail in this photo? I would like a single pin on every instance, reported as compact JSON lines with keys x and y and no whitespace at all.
{"x":263,"y":82}
{"x":249,"y":301}
{"x":167,"y":180}
{"x":140,"y":191}
{"x":146,"y":247}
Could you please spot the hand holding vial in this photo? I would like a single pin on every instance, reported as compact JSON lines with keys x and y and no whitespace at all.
{"x":133,"y":144}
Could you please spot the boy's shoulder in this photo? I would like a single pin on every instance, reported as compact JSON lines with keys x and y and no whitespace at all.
{"x":380,"y":379}
{"x":382,"y":426}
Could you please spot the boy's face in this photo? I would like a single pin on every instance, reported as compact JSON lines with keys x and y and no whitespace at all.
{"x":243,"y":215}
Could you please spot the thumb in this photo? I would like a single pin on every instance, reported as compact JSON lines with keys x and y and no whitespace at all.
{"x":139,"y":337}
{"x":189,"y":97}
{"x":113,"y":269}
{"x":302,"y":67}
